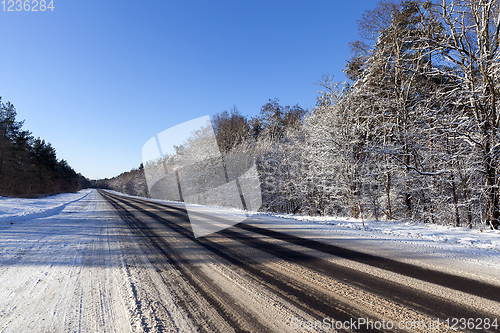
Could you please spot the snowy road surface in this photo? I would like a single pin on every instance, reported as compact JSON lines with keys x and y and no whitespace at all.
{"x":79,"y":263}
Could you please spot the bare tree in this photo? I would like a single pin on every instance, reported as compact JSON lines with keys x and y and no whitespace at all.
{"x":468,"y":51}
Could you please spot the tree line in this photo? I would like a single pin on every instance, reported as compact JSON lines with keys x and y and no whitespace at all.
{"x":413,"y":133}
{"x":132,"y":182}
{"x":28,"y":165}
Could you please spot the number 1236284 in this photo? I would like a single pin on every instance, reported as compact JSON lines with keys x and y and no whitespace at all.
{"x":27,"y":5}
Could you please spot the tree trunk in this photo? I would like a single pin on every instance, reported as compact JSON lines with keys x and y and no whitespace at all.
{"x":388,"y":194}
{"x":492,"y":211}
{"x":455,"y":201}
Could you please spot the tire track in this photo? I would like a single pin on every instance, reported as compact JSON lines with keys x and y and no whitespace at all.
{"x":231,"y":312}
{"x":463,"y":284}
{"x":308,"y":299}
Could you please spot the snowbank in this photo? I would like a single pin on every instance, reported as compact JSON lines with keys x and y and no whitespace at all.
{"x":18,"y":209}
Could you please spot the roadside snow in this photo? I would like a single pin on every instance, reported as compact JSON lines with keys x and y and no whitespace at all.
{"x":17,"y":209}
{"x":68,"y":263}
{"x":424,"y":234}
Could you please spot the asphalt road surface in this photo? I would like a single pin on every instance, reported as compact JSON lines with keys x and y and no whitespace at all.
{"x":252,"y":279}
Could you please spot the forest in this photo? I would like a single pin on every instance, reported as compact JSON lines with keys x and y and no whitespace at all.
{"x":411,"y":135}
{"x":132,"y":182}
{"x":29,"y":166}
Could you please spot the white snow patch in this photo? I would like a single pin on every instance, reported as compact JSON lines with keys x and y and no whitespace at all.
{"x":69,"y":264}
{"x":18,"y":209}
{"x":408,"y":231}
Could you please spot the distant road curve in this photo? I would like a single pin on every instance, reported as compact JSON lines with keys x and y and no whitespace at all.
{"x":252,"y":279}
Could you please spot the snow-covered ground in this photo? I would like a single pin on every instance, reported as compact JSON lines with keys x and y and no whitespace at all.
{"x":461,"y":239}
{"x":472,"y":240}
{"x":67,"y":262}
{"x":16,"y":209}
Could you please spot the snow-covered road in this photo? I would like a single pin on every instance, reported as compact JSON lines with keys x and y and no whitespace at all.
{"x":69,"y":263}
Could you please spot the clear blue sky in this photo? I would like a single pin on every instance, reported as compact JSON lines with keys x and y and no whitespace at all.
{"x":98,"y":79}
